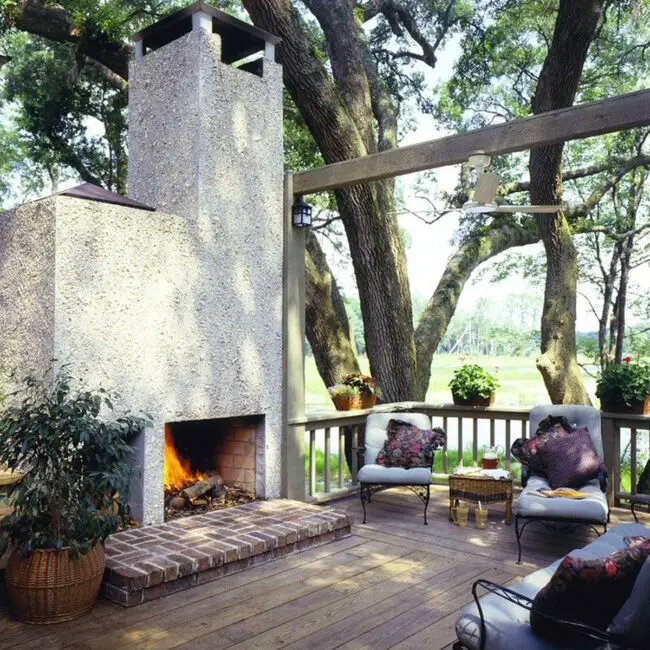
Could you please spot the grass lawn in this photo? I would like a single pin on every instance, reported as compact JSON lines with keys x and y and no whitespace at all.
{"x":521,"y":386}
{"x":521,"y":383}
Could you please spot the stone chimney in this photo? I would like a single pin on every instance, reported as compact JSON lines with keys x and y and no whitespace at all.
{"x":205,"y":125}
{"x":179,"y":309}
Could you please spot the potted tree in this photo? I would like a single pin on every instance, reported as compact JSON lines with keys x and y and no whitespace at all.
{"x":366,"y":386}
{"x":345,"y":397}
{"x":471,"y":385}
{"x":76,"y":472}
{"x":625,"y":388}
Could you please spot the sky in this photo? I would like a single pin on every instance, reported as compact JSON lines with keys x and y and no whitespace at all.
{"x":431,"y":246}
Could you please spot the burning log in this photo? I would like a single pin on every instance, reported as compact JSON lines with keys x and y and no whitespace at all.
{"x":213,"y":484}
{"x":178,"y":502}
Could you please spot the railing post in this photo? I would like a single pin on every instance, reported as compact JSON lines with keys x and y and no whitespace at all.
{"x":293,"y":333}
{"x":612,"y":452}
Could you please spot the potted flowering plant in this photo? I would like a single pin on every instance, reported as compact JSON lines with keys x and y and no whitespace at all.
{"x":345,"y":397}
{"x":471,"y":385}
{"x":625,"y":388}
{"x":367,"y":387}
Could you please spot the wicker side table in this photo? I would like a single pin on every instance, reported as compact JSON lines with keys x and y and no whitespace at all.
{"x":480,"y":488}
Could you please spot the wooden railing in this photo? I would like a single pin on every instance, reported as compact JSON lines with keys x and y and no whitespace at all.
{"x":469,"y":430}
{"x":622,"y":439}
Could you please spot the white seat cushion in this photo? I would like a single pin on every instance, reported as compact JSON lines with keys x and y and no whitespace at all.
{"x":395,"y":475}
{"x":592,"y":509}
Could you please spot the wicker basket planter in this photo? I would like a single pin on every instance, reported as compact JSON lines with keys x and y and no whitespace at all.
{"x":347,"y":402}
{"x":473,"y":401}
{"x":637,"y":407}
{"x":368,"y":401}
{"x":48,"y":586}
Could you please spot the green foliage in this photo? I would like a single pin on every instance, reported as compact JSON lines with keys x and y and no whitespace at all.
{"x":625,"y":382}
{"x":74,"y":460}
{"x":362,"y":383}
{"x":320,"y":468}
{"x":472,"y":381}
{"x":342,"y":390}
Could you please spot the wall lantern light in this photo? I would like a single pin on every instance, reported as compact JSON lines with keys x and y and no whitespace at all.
{"x":301,"y":213}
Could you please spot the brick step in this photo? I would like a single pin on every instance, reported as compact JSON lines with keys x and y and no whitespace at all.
{"x":144,"y":564}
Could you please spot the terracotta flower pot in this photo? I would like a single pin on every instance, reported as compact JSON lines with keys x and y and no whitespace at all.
{"x":637,"y":407}
{"x":368,"y":401}
{"x":473,"y":401}
{"x":49,"y":586}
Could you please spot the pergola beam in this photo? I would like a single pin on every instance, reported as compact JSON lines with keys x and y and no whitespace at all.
{"x":573,"y":123}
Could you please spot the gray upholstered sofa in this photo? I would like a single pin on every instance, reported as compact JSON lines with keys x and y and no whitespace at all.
{"x":506,"y":624}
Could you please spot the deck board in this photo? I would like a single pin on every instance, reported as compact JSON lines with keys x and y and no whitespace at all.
{"x":393,"y":584}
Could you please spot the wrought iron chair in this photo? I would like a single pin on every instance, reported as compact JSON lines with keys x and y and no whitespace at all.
{"x":373,"y":478}
{"x":563,"y":515}
{"x":513,"y":597}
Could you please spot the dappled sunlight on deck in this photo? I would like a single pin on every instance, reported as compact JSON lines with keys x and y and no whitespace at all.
{"x":394,"y":583}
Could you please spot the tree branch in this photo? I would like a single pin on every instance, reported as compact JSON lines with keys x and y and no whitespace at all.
{"x":54,"y":23}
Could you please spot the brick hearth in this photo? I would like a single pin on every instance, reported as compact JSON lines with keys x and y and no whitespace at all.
{"x":143,"y":564}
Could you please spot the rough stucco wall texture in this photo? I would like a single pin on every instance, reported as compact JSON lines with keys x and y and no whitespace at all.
{"x":205,"y":143}
{"x":27,"y":286}
{"x":179,"y":310}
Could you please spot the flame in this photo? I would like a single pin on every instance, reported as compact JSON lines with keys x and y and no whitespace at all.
{"x":178,"y":472}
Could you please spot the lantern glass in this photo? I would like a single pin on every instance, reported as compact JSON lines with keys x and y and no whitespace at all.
{"x":301,"y":213}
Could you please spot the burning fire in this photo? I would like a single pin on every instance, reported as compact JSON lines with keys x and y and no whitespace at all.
{"x":178,"y":473}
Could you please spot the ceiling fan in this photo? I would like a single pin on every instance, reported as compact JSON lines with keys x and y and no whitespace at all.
{"x":485,"y":192}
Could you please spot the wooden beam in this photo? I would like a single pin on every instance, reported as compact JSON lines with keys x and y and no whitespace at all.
{"x":576,"y":122}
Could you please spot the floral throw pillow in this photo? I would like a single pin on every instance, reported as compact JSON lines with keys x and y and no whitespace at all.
{"x":587,"y":591}
{"x":527,"y":452}
{"x":409,"y":446}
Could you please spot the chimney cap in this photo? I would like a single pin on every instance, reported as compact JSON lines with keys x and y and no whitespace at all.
{"x":239,"y":39}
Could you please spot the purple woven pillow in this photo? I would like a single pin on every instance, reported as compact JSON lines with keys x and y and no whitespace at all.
{"x":570,"y":461}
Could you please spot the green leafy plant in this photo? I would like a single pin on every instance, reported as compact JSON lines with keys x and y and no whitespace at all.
{"x":342,"y":390}
{"x":363,"y":383}
{"x":471,"y":381}
{"x":624,"y":382}
{"x":75,"y":462}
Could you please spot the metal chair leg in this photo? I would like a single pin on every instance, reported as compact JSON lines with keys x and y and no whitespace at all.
{"x":362,"y":489}
{"x":636,"y":519}
{"x":518,"y":534}
{"x":426,"y":504}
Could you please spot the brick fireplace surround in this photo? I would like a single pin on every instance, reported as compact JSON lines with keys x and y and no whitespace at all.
{"x":143,"y":564}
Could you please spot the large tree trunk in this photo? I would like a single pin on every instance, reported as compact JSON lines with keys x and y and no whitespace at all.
{"x":327,"y":328}
{"x":435,"y":319}
{"x":367,"y":210}
{"x":575,"y":28}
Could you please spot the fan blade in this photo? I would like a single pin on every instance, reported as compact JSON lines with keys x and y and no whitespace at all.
{"x":537,"y":209}
{"x":487,"y":185}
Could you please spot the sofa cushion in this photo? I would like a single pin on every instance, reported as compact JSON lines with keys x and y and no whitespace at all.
{"x":377,"y":425}
{"x":395,"y":475}
{"x":590,"y":591}
{"x":631,"y":625}
{"x":570,"y":461}
{"x":592,"y":509}
{"x":526,"y":451}
{"x":576,"y":415}
{"x":507,"y":624}
{"x":409,"y":446}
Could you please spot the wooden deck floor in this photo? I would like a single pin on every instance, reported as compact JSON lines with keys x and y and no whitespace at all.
{"x":394,"y":584}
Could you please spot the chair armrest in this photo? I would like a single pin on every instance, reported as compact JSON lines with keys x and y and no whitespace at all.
{"x":526,"y":603}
